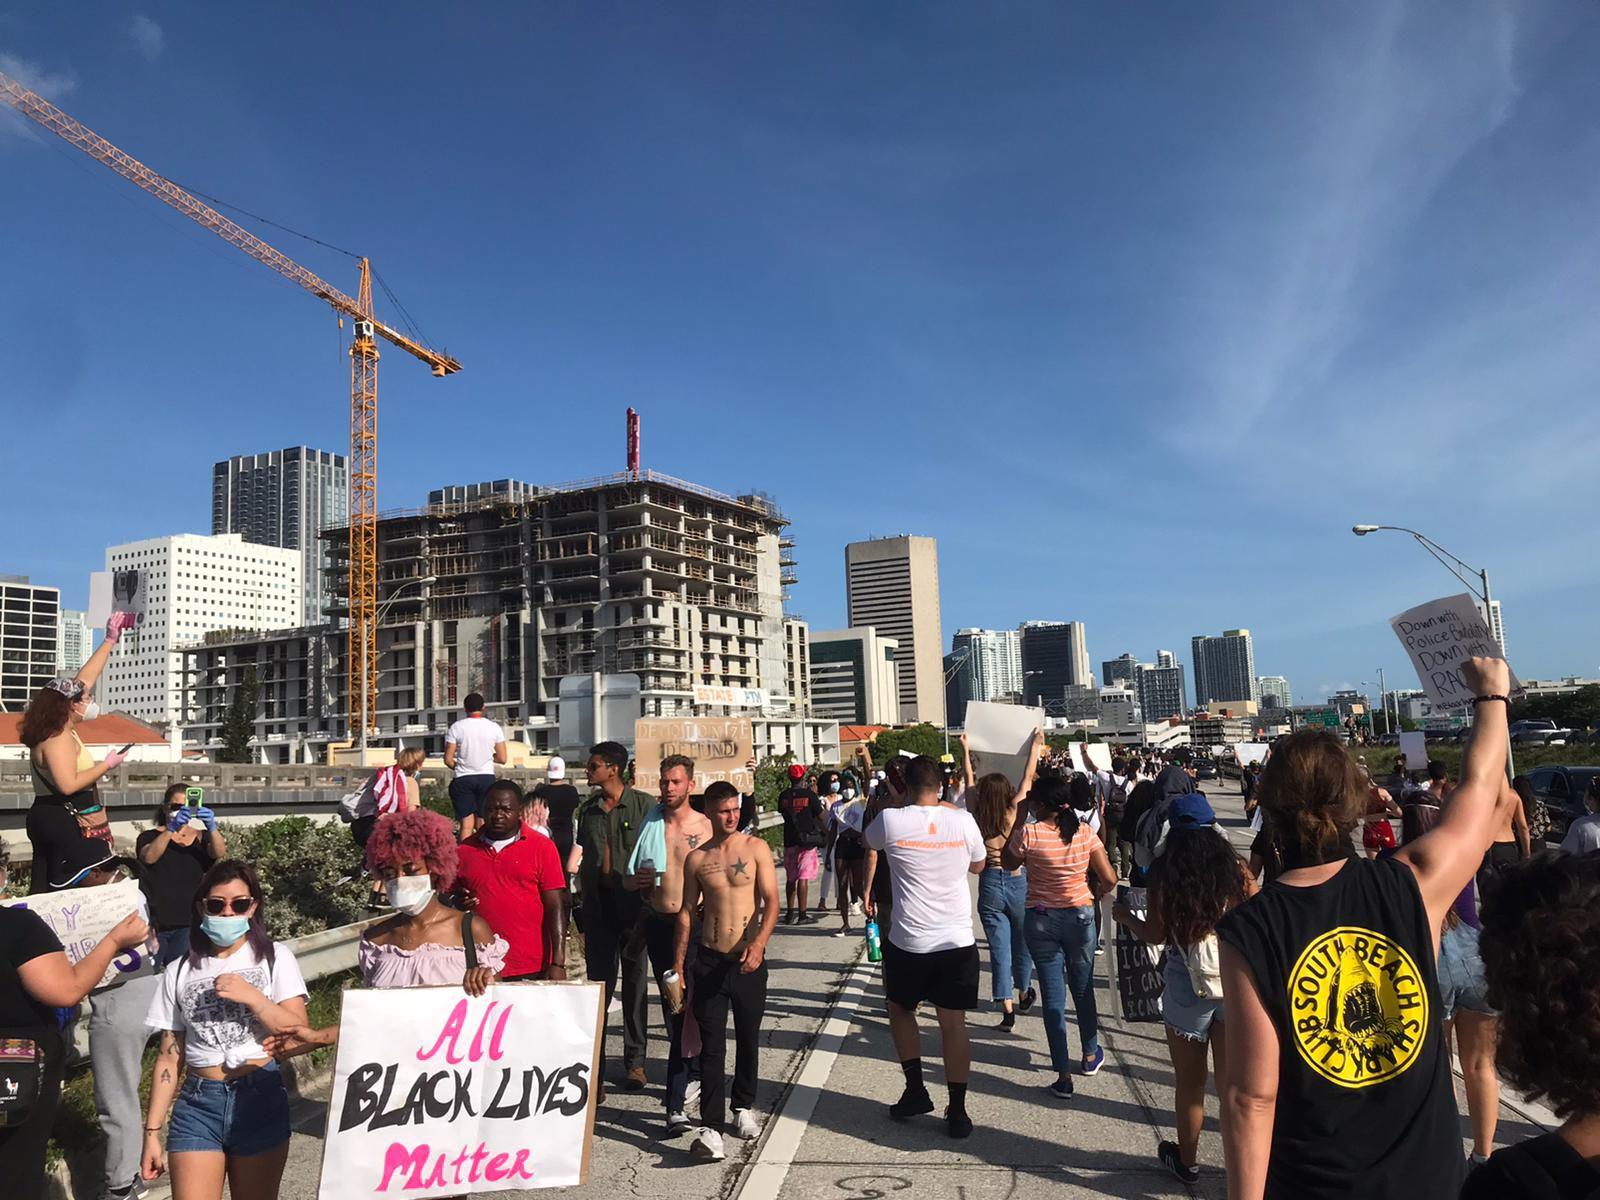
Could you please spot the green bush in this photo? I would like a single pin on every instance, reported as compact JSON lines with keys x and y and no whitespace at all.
{"x":310,"y":872}
{"x":435,"y":794}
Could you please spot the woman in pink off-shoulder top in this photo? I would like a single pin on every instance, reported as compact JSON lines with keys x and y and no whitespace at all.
{"x":426,"y":941}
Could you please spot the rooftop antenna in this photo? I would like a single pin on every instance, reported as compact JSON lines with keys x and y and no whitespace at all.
{"x":633,"y":444}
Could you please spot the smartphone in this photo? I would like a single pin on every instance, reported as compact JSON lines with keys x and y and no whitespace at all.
{"x":194,"y":797}
{"x":126,"y":748}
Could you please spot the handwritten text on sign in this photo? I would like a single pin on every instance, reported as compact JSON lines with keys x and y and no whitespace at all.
{"x":719,"y":746}
{"x":1440,"y":636}
{"x":80,"y":917}
{"x":439,"y":1094}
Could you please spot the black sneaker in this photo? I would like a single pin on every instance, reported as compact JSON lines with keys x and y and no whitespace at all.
{"x":1167,"y":1152}
{"x":1009,"y":1019}
{"x":1028,"y":997}
{"x":911,"y":1104}
{"x":960,"y":1125}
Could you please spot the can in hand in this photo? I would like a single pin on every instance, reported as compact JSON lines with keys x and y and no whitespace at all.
{"x":672,"y":992}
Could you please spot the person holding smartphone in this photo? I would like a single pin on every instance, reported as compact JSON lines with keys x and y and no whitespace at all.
{"x":173,"y":857}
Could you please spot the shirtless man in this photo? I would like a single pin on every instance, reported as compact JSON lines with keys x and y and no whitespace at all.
{"x":733,"y":875}
{"x":656,"y":871}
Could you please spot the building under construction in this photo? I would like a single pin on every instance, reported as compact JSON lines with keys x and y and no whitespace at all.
{"x":532,"y":594}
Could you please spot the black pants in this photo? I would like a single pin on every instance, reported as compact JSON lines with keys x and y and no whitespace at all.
{"x":660,"y":938}
{"x":609,"y":942}
{"x":718,"y":986}
{"x":22,"y":1147}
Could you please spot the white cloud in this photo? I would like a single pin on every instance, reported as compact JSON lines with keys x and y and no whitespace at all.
{"x":52,"y":85}
{"x":148,"y":37}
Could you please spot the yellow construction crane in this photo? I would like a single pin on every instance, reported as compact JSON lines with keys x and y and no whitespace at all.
{"x":361,"y":686}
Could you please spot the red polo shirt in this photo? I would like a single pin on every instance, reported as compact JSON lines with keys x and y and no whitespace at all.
{"x":508,"y":885}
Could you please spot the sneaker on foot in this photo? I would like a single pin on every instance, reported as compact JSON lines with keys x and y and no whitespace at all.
{"x":845,"y":932}
{"x":634,"y":1080}
{"x":1091,"y":1066}
{"x":1008,"y":1020}
{"x":809,"y":918}
{"x":677,"y":1122}
{"x":691,"y":1094}
{"x":1028,"y":998}
{"x":745,"y":1123}
{"x":707,"y":1145}
{"x":615,"y":1006}
{"x":855,"y":908}
{"x":1061,"y":1089}
{"x":911,"y":1104}
{"x":1167,"y":1152}
{"x":960,"y":1125}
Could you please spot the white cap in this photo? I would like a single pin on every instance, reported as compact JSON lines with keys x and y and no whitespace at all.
{"x":557,"y":770}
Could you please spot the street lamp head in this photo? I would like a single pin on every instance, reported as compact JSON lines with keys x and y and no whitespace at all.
{"x":1363,"y":530}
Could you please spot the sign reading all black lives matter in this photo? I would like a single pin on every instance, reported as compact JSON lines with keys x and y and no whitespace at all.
{"x":1440,"y":636}
{"x":436,"y":1093}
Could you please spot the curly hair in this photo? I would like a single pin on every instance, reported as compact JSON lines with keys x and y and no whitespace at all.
{"x":1541,"y":957}
{"x":417,"y":833}
{"x":47,"y":714}
{"x":992,"y":803}
{"x":1197,"y":879}
{"x":1311,"y":795}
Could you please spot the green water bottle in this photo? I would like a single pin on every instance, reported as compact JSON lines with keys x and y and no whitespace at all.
{"x":874,"y":943}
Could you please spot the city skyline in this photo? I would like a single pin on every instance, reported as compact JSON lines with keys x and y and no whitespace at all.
{"x":1221,"y":278}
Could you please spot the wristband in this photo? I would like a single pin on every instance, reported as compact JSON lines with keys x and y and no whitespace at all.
{"x":1477,"y":700}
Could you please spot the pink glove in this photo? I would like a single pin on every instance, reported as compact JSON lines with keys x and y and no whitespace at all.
{"x":116,"y":624}
{"x":115,"y":759}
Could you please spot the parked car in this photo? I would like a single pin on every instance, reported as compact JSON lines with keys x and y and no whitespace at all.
{"x":1561,"y":791}
{"x":1538,"y":733}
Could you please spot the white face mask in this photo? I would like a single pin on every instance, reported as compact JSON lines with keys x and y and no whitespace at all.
{"x":409,"y":893}
{"x":91,"y":710}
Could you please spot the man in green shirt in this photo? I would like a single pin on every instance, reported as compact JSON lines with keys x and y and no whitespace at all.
{"x":607,"y":828}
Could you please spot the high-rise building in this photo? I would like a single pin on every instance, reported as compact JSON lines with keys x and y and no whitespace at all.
{"x":74,"y":641}
{"x":993,"y":666}
{"x":797,"y":663}
{"x":1161,"y":688}
{"x":193,"y":585}
{"x":892,"y":584}
{"x":284,"y":498}
{"x":30,"y":633}
{"x":853,"y":677}
{"x":1497,"y":624}
{"x":1273,"y":691}
{"x":1224,"y":667}
{"x":1119,"y":708}
{"x":1055,"y":655}
{"x":1118,"y":670}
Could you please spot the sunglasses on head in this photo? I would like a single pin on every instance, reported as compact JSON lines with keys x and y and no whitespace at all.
{"x":217,"y":905}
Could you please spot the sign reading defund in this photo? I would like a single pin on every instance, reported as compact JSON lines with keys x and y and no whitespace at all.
{"x":439,"y":1094}
{"x":1440,"y":636}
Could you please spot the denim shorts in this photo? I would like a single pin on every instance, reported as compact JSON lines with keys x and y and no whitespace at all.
{"x":1187,"y":1014}
{"x":239,"y":1117}
{"x":1461,"y":982}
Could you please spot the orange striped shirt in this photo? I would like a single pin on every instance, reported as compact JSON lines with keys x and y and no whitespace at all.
{"x":1058,"y":871}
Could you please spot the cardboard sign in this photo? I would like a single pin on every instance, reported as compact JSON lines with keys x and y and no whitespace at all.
{"x":1099,"y":755}
{"x":730,"y":697}
{"x":1441,"y":635}
{"x":999,"y":736}
{"x":1140,"y":967}
{"x":1250,"y":752}
{"x":80,"y":917}
{"x":436,"y":1093}
{"x":720,"y":746}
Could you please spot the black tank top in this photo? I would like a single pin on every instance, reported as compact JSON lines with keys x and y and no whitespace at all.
{"x":1346,"y":971}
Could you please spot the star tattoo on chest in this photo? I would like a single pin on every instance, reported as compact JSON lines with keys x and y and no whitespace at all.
{"x":738,"y":867}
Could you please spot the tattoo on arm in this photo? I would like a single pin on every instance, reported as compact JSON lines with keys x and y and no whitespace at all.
{"x":166,"y":1074}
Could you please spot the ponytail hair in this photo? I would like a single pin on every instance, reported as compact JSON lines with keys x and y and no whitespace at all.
{"x":1052,"y":794}
{"x":1312,"y":794}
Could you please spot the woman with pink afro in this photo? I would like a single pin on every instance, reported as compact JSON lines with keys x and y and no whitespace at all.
{"x":425,"y":942}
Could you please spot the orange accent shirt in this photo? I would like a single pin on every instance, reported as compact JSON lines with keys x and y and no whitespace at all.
{"x":1058,"y":870}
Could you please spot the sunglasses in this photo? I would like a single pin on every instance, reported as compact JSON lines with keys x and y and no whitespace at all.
{"x":238,"y":905}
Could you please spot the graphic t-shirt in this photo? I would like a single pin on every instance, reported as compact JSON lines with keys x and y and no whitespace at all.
{"x":1345,"y":969}
{"x":930,"y":850}
{"x":802,"y":817}
{"x":219,"y":1032}
{"x":474,"y":739}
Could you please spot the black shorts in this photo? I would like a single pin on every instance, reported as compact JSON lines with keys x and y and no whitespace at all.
{"x":943,"y":978}
{"x":467,"y":793}
{"x":849,"y":850}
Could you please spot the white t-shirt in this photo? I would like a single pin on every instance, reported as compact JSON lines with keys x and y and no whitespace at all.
{"x":1583,"y":835}
{"x":930,"y":849}
{"x":475,"y":739}
{"x":218,"y":1032}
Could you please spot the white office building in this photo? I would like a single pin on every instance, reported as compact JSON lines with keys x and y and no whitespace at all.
{"x":1273,"y":691}
{"x":854,"y":677}
{"x":993,"y":666}
{"x":188,"y":586}
{"x":75,"y":644}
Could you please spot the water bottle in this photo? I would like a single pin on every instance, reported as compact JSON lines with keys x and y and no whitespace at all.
{"x":874,"y":943}
{"x":672,"y":991}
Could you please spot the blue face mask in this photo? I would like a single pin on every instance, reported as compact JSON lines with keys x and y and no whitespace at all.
{"x":834,"y":786}
{"x":224,"y":931}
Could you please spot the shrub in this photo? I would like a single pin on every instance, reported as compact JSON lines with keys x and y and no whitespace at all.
{"x":310,"y":871}
{"x":435,"y":795}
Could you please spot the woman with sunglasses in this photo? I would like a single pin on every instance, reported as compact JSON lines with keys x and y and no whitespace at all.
{"x":235,"y":987}
{"x":174,"y":856}
{"x":66,"y":806}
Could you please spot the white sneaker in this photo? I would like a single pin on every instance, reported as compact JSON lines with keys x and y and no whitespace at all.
{"x":691,"y":1095}
{"x":855,"y":908}
{"x":677,"y":1122}
{"x":707,"y":1145}
{"x":615,"y":1006}
{"x":745,"y":1123}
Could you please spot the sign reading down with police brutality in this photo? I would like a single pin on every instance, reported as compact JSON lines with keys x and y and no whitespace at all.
{"x":436,"y":1093}
{"x":720,"y":746}
{"x":1440,"y":636}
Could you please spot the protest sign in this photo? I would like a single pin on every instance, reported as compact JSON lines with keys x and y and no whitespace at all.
{"x":999,"y":737}
{"x":720,"y":746}
{"x":1415,"y":747}
{"x":1075,"y":753}
{"x":1250,"y":752}
{"x":1139,"y":966}
{"x":80,"y":917}
{"x":1099,"y":755}
{"x":1441,"y":635}
{"x":436,"y":1093}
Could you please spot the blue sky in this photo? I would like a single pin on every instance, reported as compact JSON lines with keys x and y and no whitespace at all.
{"x":1136,"y":308}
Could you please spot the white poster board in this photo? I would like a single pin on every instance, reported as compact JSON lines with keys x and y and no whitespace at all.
{"x":1250,"y":752}
{"x":1441,"y":635}
{"x":998,"y":737}
{"x":1415,"y":747}
{"x":436,"y":1093}
{"x":1099,"y":756}
{"x":80,"y":917}
{"x":1079,"y":763}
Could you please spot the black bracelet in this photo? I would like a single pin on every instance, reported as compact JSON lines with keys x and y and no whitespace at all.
{"x":1477,"y":700}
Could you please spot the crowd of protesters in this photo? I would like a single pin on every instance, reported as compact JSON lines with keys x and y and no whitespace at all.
{"x":1319,"y":982}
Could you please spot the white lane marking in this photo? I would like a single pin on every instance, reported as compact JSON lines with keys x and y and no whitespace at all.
{"x":765,"y":1177}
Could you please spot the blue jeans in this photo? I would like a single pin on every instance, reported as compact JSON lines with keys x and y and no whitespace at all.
{"x":1000,"y":908}
{"x":1062,"y":941}
{"x":240,"y":1117}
